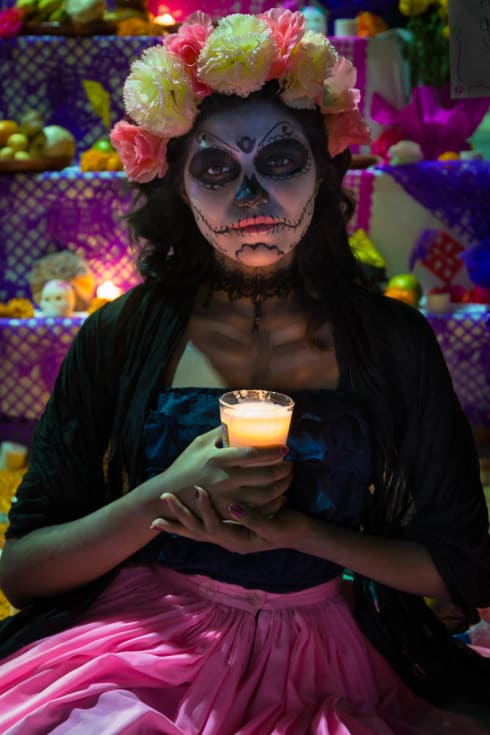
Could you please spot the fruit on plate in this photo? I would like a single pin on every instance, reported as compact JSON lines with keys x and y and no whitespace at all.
{"x":6,"y":153}
{"x":404,"y":287}
{"x":22,"y":156}
{"x":37,"y":144}
{"x":28,"y":140}
{"x":31,"y":123}
{"x":18,"y":142}
{"x":59,"y":142}
{"x":7,"y":128}
{"x":84,"y":11}
{"x":40,"y":11}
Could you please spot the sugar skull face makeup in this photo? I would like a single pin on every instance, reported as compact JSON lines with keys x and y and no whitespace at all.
{"x":250,"y":180}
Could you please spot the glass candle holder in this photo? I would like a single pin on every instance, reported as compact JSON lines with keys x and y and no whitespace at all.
{"x":255,"y":418}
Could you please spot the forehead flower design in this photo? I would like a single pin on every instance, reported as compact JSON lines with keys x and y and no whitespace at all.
{"x":166,"y":85}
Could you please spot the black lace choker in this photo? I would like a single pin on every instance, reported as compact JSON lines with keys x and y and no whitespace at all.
{"x":258,"y":287}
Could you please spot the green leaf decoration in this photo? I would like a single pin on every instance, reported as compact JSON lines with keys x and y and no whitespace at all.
{"x":100,"y":100}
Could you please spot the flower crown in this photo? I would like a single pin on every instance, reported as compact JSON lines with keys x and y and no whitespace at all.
{"x":237,"y":57}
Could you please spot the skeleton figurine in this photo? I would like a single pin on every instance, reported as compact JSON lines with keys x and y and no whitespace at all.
{"x":57,"y":299}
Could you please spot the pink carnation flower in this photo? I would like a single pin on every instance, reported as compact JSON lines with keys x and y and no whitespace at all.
{"x":287,"y":29}
{"x":11,"y":21}
{"x":143,"y":154}
{"x":188,"y":42}
{"x":345,"y":129}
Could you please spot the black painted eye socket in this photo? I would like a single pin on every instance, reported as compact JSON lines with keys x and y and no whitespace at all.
{"x":282,"y":158}
{"x":214,"y":166}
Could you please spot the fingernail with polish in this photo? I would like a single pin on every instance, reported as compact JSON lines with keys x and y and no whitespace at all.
{"x":235,"y":509}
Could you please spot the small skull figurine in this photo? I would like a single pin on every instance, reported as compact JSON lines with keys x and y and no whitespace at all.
{"x":57,"y":299}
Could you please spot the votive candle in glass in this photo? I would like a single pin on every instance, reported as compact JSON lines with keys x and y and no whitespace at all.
{"x":255,"y":418}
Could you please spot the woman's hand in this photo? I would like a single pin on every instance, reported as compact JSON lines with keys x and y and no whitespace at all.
{"x":251,"y":532}
{"x":398,"y":563}
{"x":253,"y":477}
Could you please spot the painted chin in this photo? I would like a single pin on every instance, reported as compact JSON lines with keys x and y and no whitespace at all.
{"x":259,"y":254}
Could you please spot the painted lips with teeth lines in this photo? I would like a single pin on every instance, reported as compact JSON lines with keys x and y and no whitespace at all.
{"x":255,"y":225}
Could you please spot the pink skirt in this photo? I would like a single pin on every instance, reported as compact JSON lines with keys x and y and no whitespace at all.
{"x":162,"y":652}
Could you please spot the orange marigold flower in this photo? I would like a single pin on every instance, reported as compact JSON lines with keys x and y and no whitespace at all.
{"x":93,"y":160}
{"x":17,"y":309}
{"x":370,"y":24}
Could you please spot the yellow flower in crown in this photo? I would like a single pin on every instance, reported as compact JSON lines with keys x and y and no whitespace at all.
{"x":158,"y":93}
{"x":309,"y":65}
{"x":413,"y":7}
{"x":237,"y":56}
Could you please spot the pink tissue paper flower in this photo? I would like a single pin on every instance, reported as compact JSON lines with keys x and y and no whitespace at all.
{"x":344,"y":129}
{"x":188,"y":42}
{"x":143,"y":154}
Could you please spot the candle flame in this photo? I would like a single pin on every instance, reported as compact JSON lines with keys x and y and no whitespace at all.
{"x":165,"y":20}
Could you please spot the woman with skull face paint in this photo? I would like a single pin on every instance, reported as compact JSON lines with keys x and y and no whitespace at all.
{"x":144,"y":610}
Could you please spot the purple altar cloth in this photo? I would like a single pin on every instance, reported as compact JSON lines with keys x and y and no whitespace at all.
{"x":457,"y":193}
{"x":59,"y":210}
{"x":464,"y":337}
{"x":31,"y":351}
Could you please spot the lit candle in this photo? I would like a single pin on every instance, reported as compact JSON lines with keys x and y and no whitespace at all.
{"x":109,"y":291}
{"x":255,"y":418}
{"x":165,"y":20}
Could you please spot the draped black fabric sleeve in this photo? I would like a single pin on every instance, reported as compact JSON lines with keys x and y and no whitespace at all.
{"x":65,"y":478}
{"x":449,"y":515}
{"x":431,"y":493}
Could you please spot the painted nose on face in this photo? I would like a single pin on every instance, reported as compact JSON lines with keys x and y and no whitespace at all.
{"x":251,"y":193}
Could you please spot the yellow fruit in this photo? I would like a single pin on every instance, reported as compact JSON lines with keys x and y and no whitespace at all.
{"x":18,"y":141}
{"x":22,"y":156}
{"x":7,"y":128}
{"x":6,"y":153}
